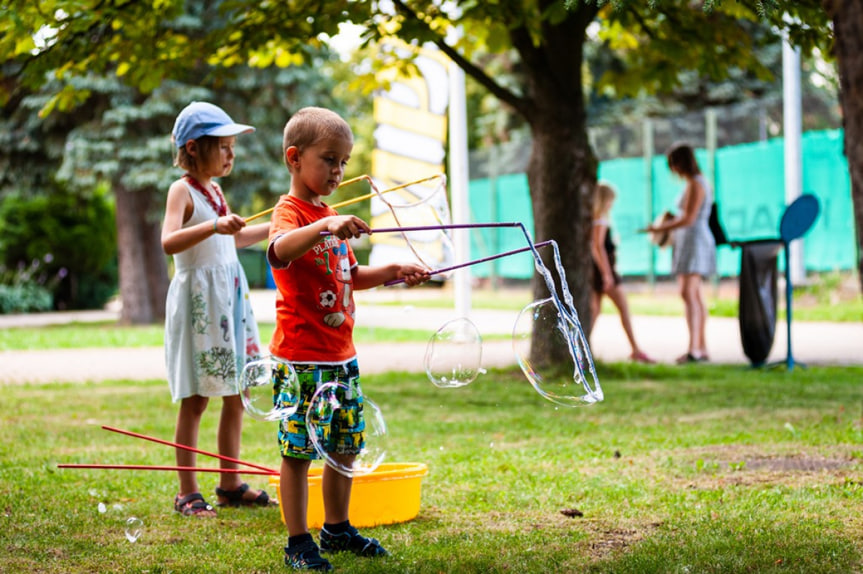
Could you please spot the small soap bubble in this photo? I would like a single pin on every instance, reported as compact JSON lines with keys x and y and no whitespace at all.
{"x":269,"y":389}
{"x":134,"y":527}
{"x":102,"y":508}
{"x":454,"y":354}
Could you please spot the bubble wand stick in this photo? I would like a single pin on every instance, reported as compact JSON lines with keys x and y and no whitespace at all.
{"x":355,"y":199}
{"x":474,"y":262}
{"x":189,"y":448}
{"x":171,"y":468}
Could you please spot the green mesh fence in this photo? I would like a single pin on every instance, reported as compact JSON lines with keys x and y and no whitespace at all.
{"x":749,"y":184}
{"x":501,"y":199}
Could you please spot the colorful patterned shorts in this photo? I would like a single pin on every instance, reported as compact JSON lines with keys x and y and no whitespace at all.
{"x":344,"y":433}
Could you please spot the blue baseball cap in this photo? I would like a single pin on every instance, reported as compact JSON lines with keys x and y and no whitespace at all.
{"x":203,"y":119}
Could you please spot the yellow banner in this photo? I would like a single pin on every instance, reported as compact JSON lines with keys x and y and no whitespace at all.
{"x":410,"y":143}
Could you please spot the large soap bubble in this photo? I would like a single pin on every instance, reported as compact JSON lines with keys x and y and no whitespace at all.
{"x":324,"y":417}
{"x":454,"y":354}
{"x":262,"y":397}
{"x":577,"y":384}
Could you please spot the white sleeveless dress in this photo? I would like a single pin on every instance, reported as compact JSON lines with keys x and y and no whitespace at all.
{"x":210,"y":330}
{"x":694,"y":248}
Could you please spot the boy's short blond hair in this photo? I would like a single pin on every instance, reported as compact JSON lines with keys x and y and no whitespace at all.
{"x":310,"y":125}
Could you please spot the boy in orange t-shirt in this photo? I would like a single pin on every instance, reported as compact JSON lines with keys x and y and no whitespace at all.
{"x":315,"y":275}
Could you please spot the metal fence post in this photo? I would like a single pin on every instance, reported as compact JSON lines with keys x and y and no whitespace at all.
{"x":647,"y":137}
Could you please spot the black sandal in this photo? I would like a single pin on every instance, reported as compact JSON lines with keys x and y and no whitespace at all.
{"x":690,"y":358}
{"x":193,"y":505}
{"x":235,"y":497}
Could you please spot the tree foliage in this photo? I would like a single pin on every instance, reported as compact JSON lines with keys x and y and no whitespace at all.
{"x":659,"y":46}
{"x":103,"y":123}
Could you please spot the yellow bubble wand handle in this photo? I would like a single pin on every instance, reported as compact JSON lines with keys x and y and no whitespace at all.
{"x":355,"y":199}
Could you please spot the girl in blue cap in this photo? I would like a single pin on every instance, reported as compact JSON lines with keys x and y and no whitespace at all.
{"x":210,"y":331}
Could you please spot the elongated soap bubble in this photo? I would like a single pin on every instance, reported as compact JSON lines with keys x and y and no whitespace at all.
{"x":269,"y":389}
{"x":134,"y":528}
{"x":324,"y":418}
{"x":454,"y":354}
{"x":568,"y":384}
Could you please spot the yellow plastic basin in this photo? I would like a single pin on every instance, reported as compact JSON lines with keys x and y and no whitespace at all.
{"x":388,"y":495}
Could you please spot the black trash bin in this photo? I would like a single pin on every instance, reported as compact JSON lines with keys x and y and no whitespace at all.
{"x":757,"y":314}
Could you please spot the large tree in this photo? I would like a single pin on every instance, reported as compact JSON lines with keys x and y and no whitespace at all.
{"x":142,"y":43}
{"x":847,"y":19}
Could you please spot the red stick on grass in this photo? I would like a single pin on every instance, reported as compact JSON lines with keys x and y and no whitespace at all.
{"x":192,"y":449}
{"x":176,"y":468}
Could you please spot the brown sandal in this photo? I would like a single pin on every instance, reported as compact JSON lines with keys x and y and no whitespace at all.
{"x":193,"y":505}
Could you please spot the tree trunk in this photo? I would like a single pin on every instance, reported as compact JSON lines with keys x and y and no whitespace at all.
{"x":142,"y":267}
{"x":561,"y":174}
{"x":561,"y":171}
{"x":156,"y":261}
{"x":847,"y":17}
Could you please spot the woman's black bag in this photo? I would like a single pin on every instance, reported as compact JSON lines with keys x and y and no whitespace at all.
{"x":716,"y":226}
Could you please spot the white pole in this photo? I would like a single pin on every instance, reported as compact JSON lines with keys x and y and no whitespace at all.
{"x":458,"y":179}
{"x":792,"y":130}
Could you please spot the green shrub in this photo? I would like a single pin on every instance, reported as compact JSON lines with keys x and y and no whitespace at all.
{"x":25,"y":298}
{"x":26,"y":289}
{"x":71,"y":234}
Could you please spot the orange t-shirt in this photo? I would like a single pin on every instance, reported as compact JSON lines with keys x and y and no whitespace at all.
{"x":314,"y":303}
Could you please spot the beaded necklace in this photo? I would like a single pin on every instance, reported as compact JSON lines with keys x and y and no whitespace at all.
{"x":222,"y":208}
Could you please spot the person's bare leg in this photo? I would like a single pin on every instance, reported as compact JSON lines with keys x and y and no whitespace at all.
{"x":335,"y":536}
{"x":229,"y":437}
{"x":186,"y":433}
{"x":695,"y":310}
{"x":618,"y":297}
{"x":701,"y":306}
{"x":688,"y":311}
{"x":294,"y":494}
{"x":230,"y":434}
{"x":595,"y":308}
{"x":336,"y":490}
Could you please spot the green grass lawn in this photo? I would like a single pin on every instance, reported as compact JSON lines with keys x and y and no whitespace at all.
{"x":89,"y":335}
{"x":681,"y":469}
{"x":811,"y":304}
{"x":827,"y":297}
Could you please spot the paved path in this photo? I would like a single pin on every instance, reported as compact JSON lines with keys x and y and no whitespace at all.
{"x":664,"y":338}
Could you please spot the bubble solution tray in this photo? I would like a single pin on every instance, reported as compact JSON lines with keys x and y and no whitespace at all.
{"x":388,"y":495}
